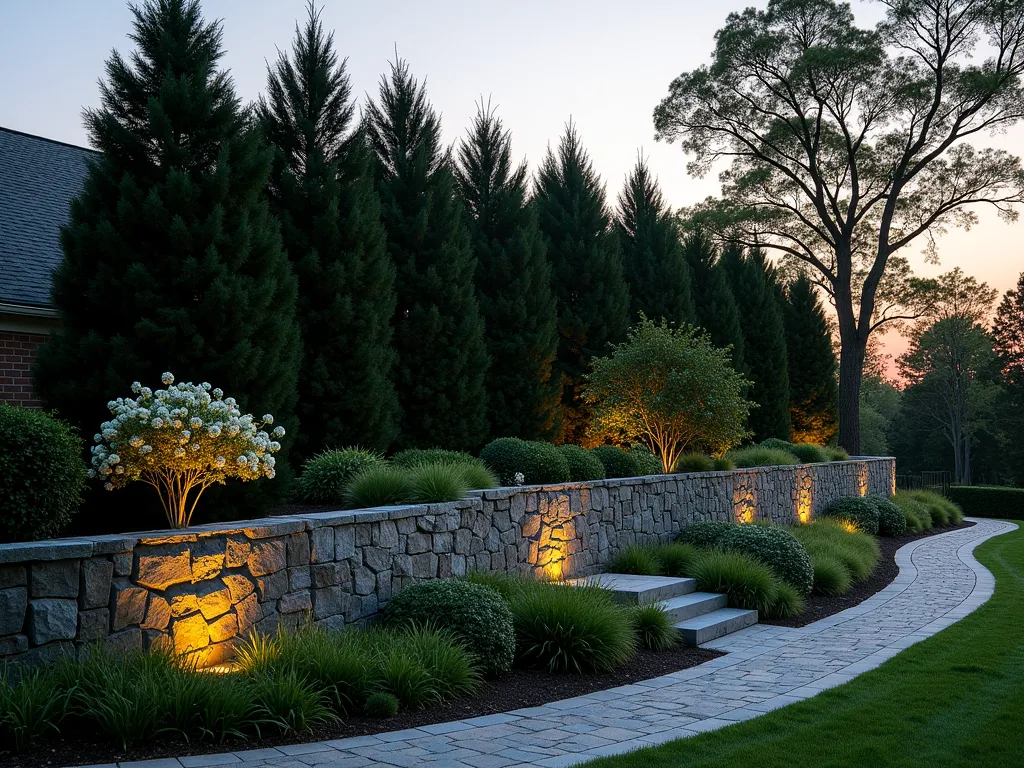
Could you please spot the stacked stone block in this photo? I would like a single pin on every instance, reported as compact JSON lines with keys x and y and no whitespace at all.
{"x":200,"y":590}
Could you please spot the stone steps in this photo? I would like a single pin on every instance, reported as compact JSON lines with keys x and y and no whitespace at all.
{"x":698,"y":616}
{"x":628,"y":589}
{"x":709,"y":626}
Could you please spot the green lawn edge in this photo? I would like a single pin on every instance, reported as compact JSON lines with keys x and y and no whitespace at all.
{"x":955,"y":699}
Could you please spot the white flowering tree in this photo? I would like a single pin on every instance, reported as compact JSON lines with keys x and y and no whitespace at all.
{"x":181,"y":440}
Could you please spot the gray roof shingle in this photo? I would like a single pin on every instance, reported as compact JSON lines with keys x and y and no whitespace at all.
{"x":38,"y":180}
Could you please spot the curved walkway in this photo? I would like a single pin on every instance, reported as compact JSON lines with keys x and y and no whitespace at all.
{"x":767,"y":667}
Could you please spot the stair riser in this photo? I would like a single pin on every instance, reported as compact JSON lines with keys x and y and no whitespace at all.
{"x":684,"y":612}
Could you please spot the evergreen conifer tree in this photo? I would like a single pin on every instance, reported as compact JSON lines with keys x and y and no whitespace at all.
{"x":172,"y":260}
{"x":438,"y":331}
{"x":322,"y":190}
{"x":764,"y":340}
{"x":513,"y":283}
{"x":813,"y":386}
{"x":652,"y":254}
{"x":714,"y":305}
{"x":590,"y":293}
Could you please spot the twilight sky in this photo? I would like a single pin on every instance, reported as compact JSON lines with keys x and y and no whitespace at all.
{"x":606,"y":64}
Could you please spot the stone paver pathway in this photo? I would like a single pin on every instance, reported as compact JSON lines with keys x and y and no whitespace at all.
{"x":766,"y":667}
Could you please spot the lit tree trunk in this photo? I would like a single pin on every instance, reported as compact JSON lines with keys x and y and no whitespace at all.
{"x":853,"y":350}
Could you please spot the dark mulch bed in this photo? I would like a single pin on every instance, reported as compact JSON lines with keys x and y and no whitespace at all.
{"x":820,"y":606}
{"x":522,"y":688}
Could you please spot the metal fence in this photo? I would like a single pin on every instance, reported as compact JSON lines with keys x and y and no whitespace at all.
{"x":926,"y":481}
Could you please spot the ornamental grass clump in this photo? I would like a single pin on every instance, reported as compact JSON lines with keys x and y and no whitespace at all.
{"x":574,"y":629}
{"x":653,"y":627}
{"x":746,"y":582}
{"x":694,"y":462}
{"x":433,"y":483}
{"x":832,"y":545}
{"x":379,"y":486}
{"x":761,"y":456}
{"x":674,"y":558}
{"x":181,"y":440}
{"x":325,"y":477}
{"x":31,"y":708}
{"x":639,"y":561}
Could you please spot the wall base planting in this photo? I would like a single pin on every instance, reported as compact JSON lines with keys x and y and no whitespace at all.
{"x":199,"y":589}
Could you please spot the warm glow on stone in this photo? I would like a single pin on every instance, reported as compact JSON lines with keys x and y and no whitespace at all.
{"x":862,"y":479}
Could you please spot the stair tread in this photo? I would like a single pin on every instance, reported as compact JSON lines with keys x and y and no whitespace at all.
{"x":715,"y":617}
{"x":632,"y":588}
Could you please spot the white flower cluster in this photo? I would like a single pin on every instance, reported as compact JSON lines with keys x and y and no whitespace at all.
{"x":187,"y":430}
{"x":519,"y":478}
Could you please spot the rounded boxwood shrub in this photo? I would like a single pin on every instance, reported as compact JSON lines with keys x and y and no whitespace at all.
{"x":583,"y":465}
{"x":808,"y":453}
{"x":476,"y":615}
{"x":647,"y":463}
{"x":704,"y":533}
{"x":891,"y":520}
{"x":775,"y":547}
{"x":856,"y":510}
{"x":616,"y":462}
{"x":326,"y":476}
{"x":539,"y":463}
{"x":42,"y":474}
{"x":381,"y":705}
{"x":694,"y":462}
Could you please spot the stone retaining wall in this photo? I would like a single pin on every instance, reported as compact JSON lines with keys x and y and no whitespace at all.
{"x":198,"y":589}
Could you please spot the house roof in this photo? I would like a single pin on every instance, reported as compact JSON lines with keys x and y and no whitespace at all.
{"x":38,"y":179}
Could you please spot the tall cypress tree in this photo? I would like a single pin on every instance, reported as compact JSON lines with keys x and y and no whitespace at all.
{"x":172,"y":260}
{"x":513,"y":284}
{"x":652,"y":254}
{"x":322,"y":190}
{"x":764,"y":340}
{"x":714,"y":305}
{"x":813,"y":386}
{"x":590,"y":293}
{"x":438,"y":331}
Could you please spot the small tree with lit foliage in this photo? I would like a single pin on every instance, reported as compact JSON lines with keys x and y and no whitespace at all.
{"x":670,"y":389}
{"x":181,"y":440}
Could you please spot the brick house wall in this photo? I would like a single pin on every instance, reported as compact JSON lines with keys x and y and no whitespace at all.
{"x":18,"y":351}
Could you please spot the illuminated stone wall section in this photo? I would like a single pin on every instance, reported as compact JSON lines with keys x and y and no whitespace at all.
{"x":803,"y":495}
{"x":199,"y":590}
{"x":744,"y":497}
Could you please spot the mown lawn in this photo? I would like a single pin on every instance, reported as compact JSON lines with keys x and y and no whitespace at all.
{"x":956,"y":699}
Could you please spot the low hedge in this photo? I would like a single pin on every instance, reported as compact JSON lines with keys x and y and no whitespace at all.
{"x":775,"y":547}
{"x":476,"y":614}
{"x":989,"y":500}
{"x":539,"y":463}
{"x":856,"y":510}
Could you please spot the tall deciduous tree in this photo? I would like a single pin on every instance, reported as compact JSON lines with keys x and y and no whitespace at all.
{"x":513,"y":284}
{"x":438,"y":332}
{"x":764,"y":340}
{"x":714,"y":305}
{"x":652,"y":253}
{"x":172,"y":259}
{"x":950,"y":363}
{"x":590,"y":293}
{"x":813,"y":388}
{"x":322,"y":190}
{"x":848,"y":144}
